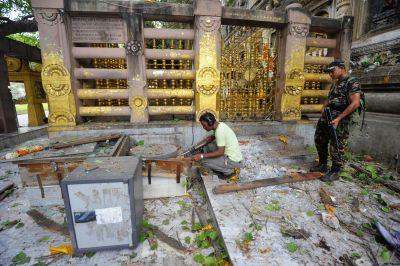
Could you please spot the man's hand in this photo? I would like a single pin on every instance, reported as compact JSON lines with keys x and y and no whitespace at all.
{"x":196,"y":157}
{"x":335,"y":122}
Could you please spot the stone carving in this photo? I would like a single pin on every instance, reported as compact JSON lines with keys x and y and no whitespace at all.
{"x":295,"y":82}
{"x":293,"y":90}
{"x":209,"y":24}
{"x":371,"y":61}
{"x":292,"y":112}
{"x":134,"y":48}
{"x":296,"y":73}
{"x":13,"y":64}
{"x":376,"y":47}
{"x":61,"y":118}
{"x":208,"y":79}
{"x":298,"y":30}
{"x":48,"y":16}
{"x":56,"y":80}
{"x":138,"y":102}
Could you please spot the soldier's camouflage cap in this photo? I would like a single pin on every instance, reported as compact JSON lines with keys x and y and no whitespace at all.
{"x":335,"y":63}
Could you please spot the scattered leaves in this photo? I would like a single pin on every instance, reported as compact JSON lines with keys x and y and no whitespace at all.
{"x":207,"y":227}
{"x":188,"y":240}
{"x":292,"y":247}
{"x":8,"y":224}
{"x":283,"y":139}
{"x":248,"y":237}
{"x":346,"y":176}
{"x":310,"y":213}
{"x":140,"y":143}
{"x":273,"y":207}
{"x":90,"y":254}
{"x":257,"y":227}
{"x":165,"y":222}
{"x":355,"y":255}
{"x":20,"y":258}
{"x":360,"y":233}
{"x":199,"y":258}
{"x":40,"y":263}
{"x":196,"y":227}
{"x":133,"y":255}
{"x":19,"y":225}
{"x":385,"y":255}
{"x":264,"y":251}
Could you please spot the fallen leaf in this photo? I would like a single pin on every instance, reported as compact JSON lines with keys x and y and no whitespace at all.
{"x":20,"y":258}
{"x":207,"y":227}
{"x":283,"y":139}
{"x":292,"y":247}
{"x":264,"y":251}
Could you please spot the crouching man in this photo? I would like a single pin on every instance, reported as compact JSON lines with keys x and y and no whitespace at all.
{"x":222,"y":153}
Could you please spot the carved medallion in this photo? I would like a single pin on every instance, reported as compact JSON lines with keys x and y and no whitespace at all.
{"x":138,"y":102}
{"x":48,"y":16}
{"x":63,"y":118}
{"x":134,"y":48}
{"x":298,"y":30}
{"x":208,"y":80}
{"x":209,"y":24}
{"x":293,"y":90}
{"x":56,"y":79}
{"x":292,"y":112}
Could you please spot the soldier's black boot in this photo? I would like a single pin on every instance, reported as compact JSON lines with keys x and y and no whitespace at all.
{"x":323,"y":168}
{"x":331,"y":176}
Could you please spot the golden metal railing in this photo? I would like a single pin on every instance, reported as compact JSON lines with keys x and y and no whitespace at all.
{"x":110,"y":84}
{"x":170,"y":81}
{"x":317,"y":83}
{"x":248,"y":76}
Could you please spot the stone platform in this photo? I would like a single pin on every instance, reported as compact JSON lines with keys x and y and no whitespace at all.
{"x":23,"y":134}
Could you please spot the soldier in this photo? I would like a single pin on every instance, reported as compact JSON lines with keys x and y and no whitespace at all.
{"x":343,"y":99}
{"x":222,"y":153}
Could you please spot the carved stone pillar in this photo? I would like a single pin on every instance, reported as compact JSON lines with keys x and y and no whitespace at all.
{"x":343,"y":8}
{"x":207,"y":55}
{"x":345,"y":39}
{"x":136,"y":65}
{"x":35,"y":108}
{"x":290,"y":81}
{"x":56,"y":78}
{"x":8,"y":115}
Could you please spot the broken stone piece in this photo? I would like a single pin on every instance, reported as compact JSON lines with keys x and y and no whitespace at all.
{"x":330,"y":220}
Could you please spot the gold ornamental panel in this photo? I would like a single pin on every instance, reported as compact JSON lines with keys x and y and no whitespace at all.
{"x":138,"y":102}
{"x":248,"y":74}
{"x":208,"y":79}
{"x":57,"y":85}
{"x":61,"y":118}
{"x":56,"y":80}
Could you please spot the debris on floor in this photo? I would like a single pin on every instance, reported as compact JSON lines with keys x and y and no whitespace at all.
{"x":353,"y":221}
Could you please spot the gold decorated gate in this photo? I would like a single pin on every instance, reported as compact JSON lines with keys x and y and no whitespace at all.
{"x":248,"y":74}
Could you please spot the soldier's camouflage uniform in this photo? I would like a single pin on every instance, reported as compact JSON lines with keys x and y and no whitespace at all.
{"x":338,"y":100}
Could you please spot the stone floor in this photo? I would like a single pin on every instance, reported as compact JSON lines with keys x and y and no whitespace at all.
{"x":256,"y":225}
{"x":253,"y":222}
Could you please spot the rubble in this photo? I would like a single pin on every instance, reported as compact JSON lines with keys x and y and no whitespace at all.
{"x":281,"y":224}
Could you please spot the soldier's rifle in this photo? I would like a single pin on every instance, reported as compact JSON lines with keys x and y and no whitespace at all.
{"x":332,"y":129}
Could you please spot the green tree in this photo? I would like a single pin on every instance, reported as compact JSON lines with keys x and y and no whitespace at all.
{"x":17,"y":21}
